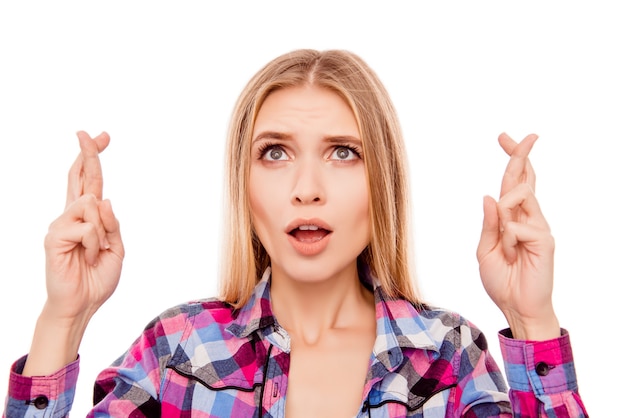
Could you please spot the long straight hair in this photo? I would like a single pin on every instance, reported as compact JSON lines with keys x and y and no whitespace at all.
{"x":388,"y":254}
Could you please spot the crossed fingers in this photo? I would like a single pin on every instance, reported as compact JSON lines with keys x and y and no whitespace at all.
{"x":519,"y":170}
{"x":85,"y":175}
{"x":518,"y":210}
{"x":84,"y":205}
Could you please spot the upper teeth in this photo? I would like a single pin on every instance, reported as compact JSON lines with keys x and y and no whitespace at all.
{"x":308,"y":228}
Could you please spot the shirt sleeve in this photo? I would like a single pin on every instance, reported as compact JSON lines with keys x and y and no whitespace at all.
{"x":541,"y":377}
{"x":39,"y":396}
{"x":131,"y":386}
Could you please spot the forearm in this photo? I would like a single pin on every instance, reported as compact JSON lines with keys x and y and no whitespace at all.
{"x":55,"y":343}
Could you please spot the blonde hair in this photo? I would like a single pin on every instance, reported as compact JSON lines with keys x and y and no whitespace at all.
{"x":387,"y":255}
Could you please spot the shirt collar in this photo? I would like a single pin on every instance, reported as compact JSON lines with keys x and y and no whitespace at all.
{"x":256,"y":314}
{"x":399,"y":324}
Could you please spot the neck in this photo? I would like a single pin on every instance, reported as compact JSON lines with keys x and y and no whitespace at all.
{"x":310,"y":310}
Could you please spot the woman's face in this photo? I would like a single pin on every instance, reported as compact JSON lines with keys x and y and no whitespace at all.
{"x":308,"y":187}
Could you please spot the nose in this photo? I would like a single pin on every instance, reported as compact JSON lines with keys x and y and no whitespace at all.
{"x":308,"y":184}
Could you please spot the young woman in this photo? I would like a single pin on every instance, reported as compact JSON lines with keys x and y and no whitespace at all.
{"x":318,"y":315}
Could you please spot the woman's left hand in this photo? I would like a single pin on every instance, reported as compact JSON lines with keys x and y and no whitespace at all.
{"x":516,"y":249}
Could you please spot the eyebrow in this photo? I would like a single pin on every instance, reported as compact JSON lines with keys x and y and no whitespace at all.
{"x":333,"y":139}
{"x":271,"y":135}
{"x":342,"y":139}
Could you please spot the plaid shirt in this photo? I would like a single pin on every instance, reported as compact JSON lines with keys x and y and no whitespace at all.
{"x":204,"y":359}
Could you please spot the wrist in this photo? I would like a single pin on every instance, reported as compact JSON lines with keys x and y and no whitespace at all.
{"x":534,"y":329}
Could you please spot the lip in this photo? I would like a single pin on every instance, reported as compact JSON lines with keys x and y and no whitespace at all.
{"x":304,"y":247}
{"x":314,"y":221}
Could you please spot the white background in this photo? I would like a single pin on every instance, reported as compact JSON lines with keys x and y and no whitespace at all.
{"x":162,"y":78}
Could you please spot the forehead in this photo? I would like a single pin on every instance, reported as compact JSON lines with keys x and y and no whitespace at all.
{"x":305,"y":106}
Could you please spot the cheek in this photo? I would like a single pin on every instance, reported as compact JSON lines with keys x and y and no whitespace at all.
{"x":363,"y":212}
{"x":255,"y":197}
{"x":363,"y":208}
{"x":354,"y":195}
{"x":262,"y":198}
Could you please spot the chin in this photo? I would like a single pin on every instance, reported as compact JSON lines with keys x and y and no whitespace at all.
{"x":314,"y":271}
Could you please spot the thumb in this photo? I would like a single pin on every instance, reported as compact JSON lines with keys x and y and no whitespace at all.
{"x":490,"y":235}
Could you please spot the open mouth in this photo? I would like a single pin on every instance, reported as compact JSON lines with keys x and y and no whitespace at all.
{"x":309,"y":233}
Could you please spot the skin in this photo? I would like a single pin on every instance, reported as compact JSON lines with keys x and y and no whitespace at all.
{"x":309,"y":130}
{"x":516,"y":249}
{"x":323,"y":313}
{"x":84,"y":254}
{"x":308,"y":172}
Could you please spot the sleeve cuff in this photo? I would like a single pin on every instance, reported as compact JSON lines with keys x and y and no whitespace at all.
{"x":54,"y":392}
{"x":542,"y":367}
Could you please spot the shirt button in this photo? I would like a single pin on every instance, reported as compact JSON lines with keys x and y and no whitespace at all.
{"x":41,"y":402}
{"x":542,"y":369}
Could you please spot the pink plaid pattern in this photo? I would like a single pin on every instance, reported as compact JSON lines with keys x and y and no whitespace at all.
{"x":204,"y":359}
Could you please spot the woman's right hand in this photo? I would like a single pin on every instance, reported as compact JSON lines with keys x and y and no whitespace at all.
{"x":84,"y":253}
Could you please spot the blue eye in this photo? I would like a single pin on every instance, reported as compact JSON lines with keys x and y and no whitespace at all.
{"x":272,"y":153}
{"x":344,"y":153}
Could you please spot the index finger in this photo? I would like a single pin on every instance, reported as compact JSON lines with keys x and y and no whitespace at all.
{"x":518,"y":170}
